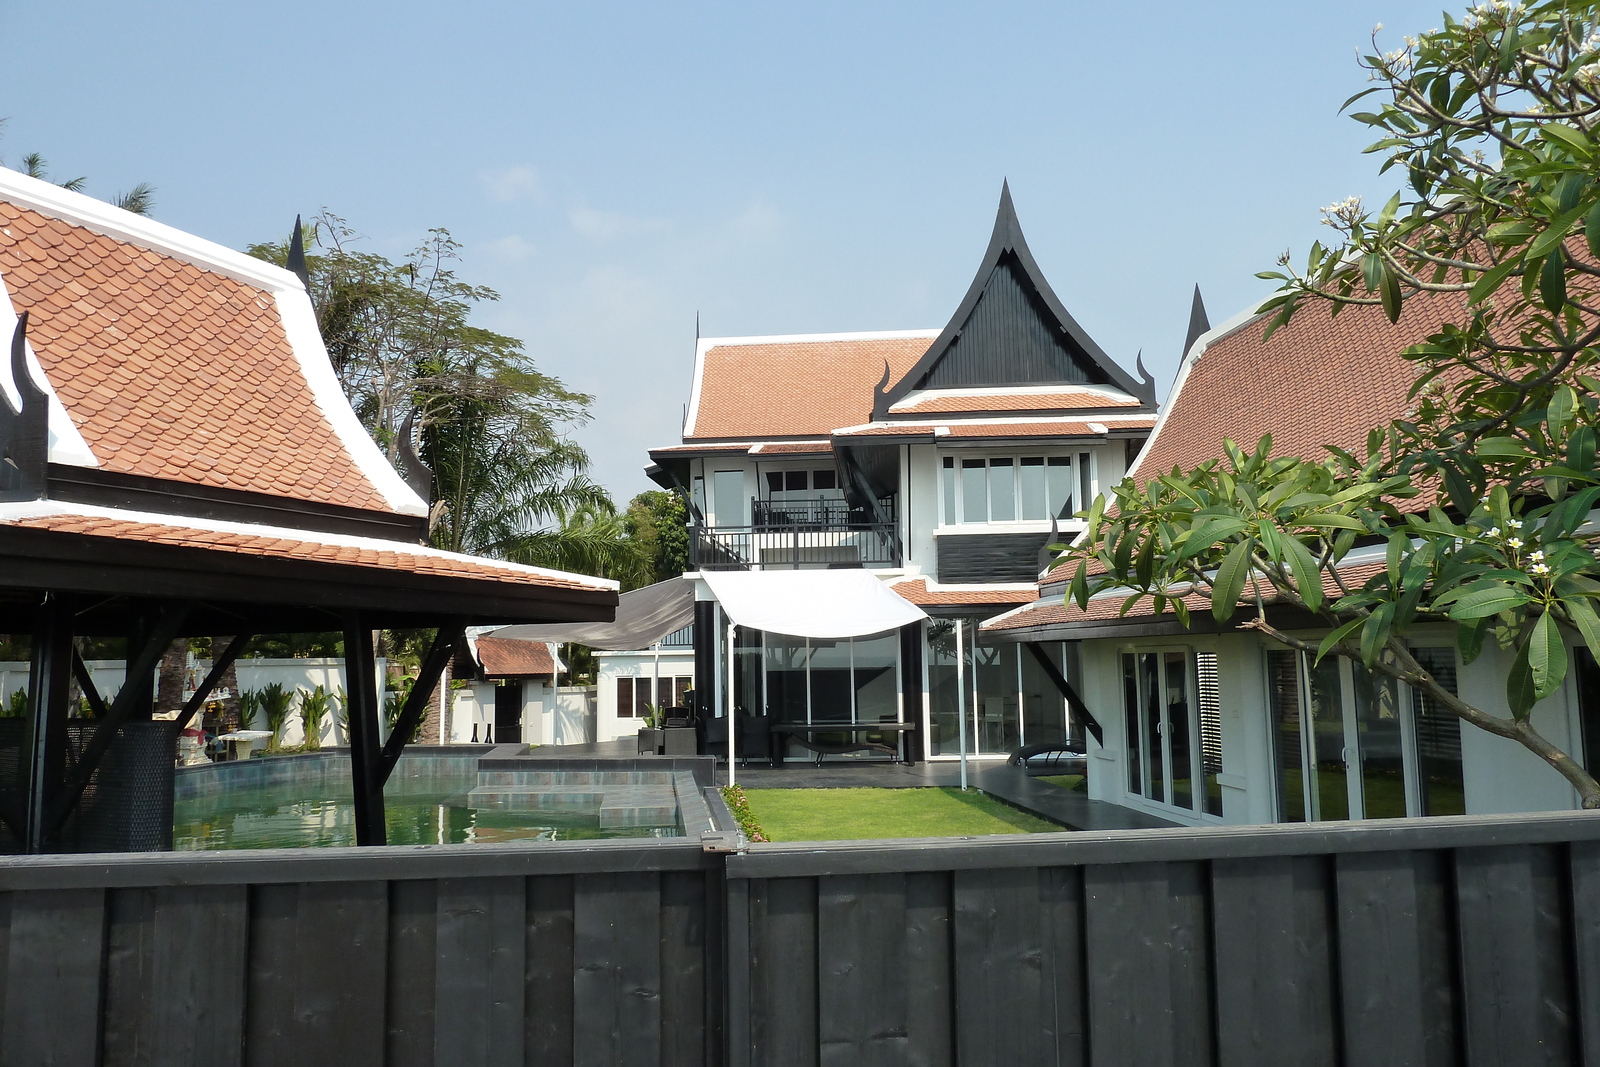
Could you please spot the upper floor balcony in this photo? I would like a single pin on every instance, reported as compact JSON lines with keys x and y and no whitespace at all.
{"x":800,"y":534}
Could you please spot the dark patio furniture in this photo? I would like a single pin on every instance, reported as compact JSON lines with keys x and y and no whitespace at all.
{"x":1051,"y":757}
{"x":805,"y":735}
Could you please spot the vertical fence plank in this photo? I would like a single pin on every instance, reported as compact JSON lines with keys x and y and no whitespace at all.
{"x":175,"y":975}
{"x":929,"y":979}
{"x":1274,"y":968}
{"x":479,"y":980}
{"x":413,"y":949}
{"x":1061,"y":980}
{"x":616,"y":945}
{"x":1146,"y":935}
{"x":717,"y":930}
{"x":861,"y":948}
{"x":783,"y":972}
{"x":740,"y":974}
{"x":53,"y":978}
{"x":317,"y":990}
{"x":1396,"y":965}
{"x":998,"y":953}
{"x":1516,"y":981}
{"x":683,"y":969}
{"x":548,"y":1005}
{"x":1584,"y":861}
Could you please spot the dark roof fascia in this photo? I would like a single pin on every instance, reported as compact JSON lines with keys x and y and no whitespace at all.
{"x":103,"y":488}
{"x":50,"y":560}
{"x":1007,"y":237}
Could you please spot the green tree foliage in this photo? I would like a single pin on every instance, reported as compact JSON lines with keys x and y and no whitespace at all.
{"x":508,"y":479}
{"x":1493,"y":122}
{"x":657,"y":523}
{"x":139,"y":200}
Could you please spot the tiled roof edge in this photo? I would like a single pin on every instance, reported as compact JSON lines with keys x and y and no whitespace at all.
{"x":66,"y":444}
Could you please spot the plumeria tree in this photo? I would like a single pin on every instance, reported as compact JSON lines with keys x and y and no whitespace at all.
{"x":1481,"y":496}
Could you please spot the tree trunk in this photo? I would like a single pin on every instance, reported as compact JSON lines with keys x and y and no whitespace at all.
{"x":229,"y":684}
{"x":173,"y":678}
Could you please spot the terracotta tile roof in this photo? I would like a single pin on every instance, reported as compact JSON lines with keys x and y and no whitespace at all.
{"x":504,"y":657}
{"x":931,"y":403}
{"x":1052,"y":428}
{"x":917,"y":592}
{"x":281,"y":543}
{"x":790,"y":388}
{"x":1320,"y":380}
{"x":1054,"y":611}
{"x":793,"y":448}
{"x":172,"y":371}
{"x":702,"y":449}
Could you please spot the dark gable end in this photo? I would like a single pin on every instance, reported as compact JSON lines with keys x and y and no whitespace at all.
{"x":1012,"y":329}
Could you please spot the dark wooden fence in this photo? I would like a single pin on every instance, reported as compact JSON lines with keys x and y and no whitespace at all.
{"x":1465,"y":940}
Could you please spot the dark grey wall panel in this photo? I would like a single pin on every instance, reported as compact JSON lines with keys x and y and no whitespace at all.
{"x":1009,"y":339}
{"x":930,"y":990}
{"x":1063,"y":965}
{"x":1397,"y":959}
{"x":783,"y":973}
{"x":53,"y":978}
{"x":1585,"y":860}
{"x":861,"y":957}
{"x":1515,"y":964}
{"x":189,"y":944}
{"x":990,"y":557}
{"x":685,"y":951}
{"x":1148,"y":946}
{"x":548,"y":1005}
{"x":479,"y":977}
{"x":1274,"y":972}
{"x":999,"y":951}
{"x":413,"y":952}
{"x":616,"y":960}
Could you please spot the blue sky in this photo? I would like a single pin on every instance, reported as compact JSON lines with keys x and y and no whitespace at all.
{"x":616,"y":169}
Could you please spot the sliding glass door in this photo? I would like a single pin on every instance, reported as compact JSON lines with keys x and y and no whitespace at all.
{"x":1344,"y":748}
{"x":1160,"y":711}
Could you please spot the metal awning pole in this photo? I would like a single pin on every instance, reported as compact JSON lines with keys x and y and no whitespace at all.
{"x":961,"y":698}
{"x":728,"y":709}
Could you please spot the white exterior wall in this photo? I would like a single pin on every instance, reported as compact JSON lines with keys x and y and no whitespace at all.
{"x":1500,"y":775}
{"x":472,"y":705}
{"x":609,"y":726}
{"x":921,"y":484}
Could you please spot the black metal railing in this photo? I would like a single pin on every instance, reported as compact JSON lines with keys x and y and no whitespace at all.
{"x":828,"y":513}
{"x":794,"y":546}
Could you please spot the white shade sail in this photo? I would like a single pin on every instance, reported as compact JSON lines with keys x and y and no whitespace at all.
{"x":821,"y":604}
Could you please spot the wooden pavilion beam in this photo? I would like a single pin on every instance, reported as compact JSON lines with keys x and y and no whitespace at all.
{"x":220,"y":662}
{"x":366,"y":759}
{"x":433,"y":665}
{"x":49,"y":679}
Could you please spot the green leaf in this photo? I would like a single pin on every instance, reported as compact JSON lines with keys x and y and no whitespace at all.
{"x":1557,"y":232}
{"x":1586,"y":621}
{"x":1591,"y":229}
{"x":1502,"y":448}
{"x":1469,"y":638}
{"x":1575,"y":140}
{"x":1547,"y":657}
{"x":1307,"y":577}
{"x":1494,"y":599}
{"x":1553,"y":281}
{"x":1391,"y":293}
{"x":1519,"y":685}
{"x":1375,"y":633}
{"x":1491,"y":280}
{"x":1078,"y":590}
{"x":1209,"y":533}
{"x":1559,"y":412}
{"x":1230,"y":579}
{"x":1372,"y":271}
{"x":1335,"y":636}
{"x":1581,"y":449}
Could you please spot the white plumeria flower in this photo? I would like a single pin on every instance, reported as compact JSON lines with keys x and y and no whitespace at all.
{"x":1514,"y":542}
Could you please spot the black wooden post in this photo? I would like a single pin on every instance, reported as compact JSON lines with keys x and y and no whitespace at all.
{"x":911,"y":690}
{"x":49,"y":679}
{"x":366,"y":759}
{"x":705,"y":659}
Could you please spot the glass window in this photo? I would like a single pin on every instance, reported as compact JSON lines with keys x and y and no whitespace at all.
{"x":1283,"y":700}
{"x":1130,"y":705}
{"x":998,"y":718}
{"x":624,"y":698}
{"x":830,"y":681}
{"x":1588,"y":674}
{"x":1044,"y":709}
{"x":727,"y":501}
{"x":1085,"y":490}
{"x":824,"y":480}
{"x":1383,"y":771}
{"x":1438,"y":738}
{"x":874,"y":661}
{"x":1175,"y":666}
{"x":1330,"y":789}
{"x":974,"y":490}
{"x":794,"y":481}
{"x":774,"y":481}
{"x":1031,"y":488}
{"x":1060,"y":487}
{"x":1210,"y":700}
{"x":680,"y":690}
{"x":944,"y":691}
{"x":1002,"y":490}
{"x":786,"y":659}
{"x":949,"y":485}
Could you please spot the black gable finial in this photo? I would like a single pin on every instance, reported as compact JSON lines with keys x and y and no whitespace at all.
{"x":297,"y":255}
{"x":1146,"y":388}
{"x":24,"y":431}
{"x":880,"y":396}
{"x":1047,"y":558}
{"x":417,"y":474}
{"x":1198,"y":322}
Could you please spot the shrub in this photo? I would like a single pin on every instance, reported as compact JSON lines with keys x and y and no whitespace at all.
{"x":739,"y":804}
{"x":313,"y":712}
{"x":394,"y":702}
{"x":16,"y":705}
{"x":276,"y":702}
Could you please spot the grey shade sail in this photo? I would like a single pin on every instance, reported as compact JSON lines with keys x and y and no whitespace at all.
{"x":644,"y":616}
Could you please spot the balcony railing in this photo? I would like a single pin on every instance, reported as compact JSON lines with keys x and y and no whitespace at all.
{"x":829,"y":513}
{"x":794,"y":546}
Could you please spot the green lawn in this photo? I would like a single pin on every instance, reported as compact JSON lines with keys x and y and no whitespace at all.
{"x":853,"y":814}
{"x":1073,"y":782}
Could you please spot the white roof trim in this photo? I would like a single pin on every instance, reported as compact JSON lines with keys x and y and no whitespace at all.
{"x":28,"y":509}
{"x":918,"y":396}
{"x":1000,"y":421}
{"x":1190,"y":358}
{"x":66,"y":444}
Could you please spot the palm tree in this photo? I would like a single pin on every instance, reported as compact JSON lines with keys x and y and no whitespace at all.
{"x":139,"y":200}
